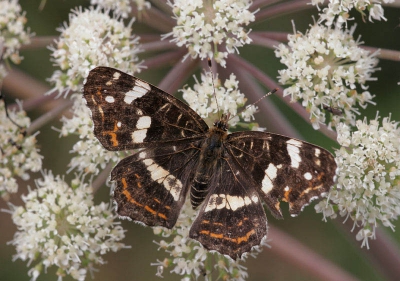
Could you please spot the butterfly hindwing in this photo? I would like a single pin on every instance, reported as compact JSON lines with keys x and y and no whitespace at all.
{"x":152,"y":184}
{"x":232,"y":219}
{"x":129,"y":113}
{"x":283,"y":168}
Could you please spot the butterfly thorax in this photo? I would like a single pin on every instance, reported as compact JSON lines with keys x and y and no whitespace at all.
{"x":211,"y":151}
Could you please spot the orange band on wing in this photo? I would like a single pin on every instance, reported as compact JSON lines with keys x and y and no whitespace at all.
{"x":237,"y":240}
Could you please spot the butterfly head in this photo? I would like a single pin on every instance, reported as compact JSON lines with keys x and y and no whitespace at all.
{"x":222,"y":123}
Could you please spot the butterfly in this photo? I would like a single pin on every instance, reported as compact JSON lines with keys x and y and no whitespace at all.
{"x":227,"y":176}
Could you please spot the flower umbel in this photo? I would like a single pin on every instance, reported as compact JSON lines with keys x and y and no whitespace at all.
{"x":19,"y":154}
{"x":12,"y":32}
{"x":228,"y":99}
{"x":60,"y":226}
{"x":326,"y":67}
{"x":368,"y":185}
{"x":339,"y":9}
{"x":92,"y":38}
{"x":203,"y":26}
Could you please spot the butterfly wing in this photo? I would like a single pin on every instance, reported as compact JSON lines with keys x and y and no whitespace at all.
{"x":152,"y":184}
{"x":130,"y":113}
{"x":283,"y":168}
{"x":232,"y":219}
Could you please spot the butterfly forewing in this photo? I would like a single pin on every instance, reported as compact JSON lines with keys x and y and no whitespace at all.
{"x":283,"y":168}
{"x":130,"y":113}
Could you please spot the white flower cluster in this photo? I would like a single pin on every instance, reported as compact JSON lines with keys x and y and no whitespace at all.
{"x":18,"y":154}
{"x":60,"y":226}
{"x":92,"y":39}
{"x":12,"y":32}
{"x":368,"y":185}
{"x":227,"y":98}
{"x":338,"y":10}
{"x":204,"y":25}
{"x":90,"y":153}
{"x":121,"y":7}
{"x":189,"y":259}
{"x":326,"y":67}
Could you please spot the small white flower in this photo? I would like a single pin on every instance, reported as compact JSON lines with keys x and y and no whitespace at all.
{"x":204,"y":25}
{"x":368,"y":184}
{"x":71,"y":237}
{"x":92,"y":38}
{"x":18,"y":154}
{"x":227,"y":99}
{"x":326,"y":67}
{"x":121,"y":7}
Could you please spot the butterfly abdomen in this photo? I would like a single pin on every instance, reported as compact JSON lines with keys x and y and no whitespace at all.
{"x":211,"y":151}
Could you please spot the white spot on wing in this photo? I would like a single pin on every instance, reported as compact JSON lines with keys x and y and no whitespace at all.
{"x":270,"y":174}
{"x":139,"y":136}
{"x":235,"y":202}
{"x":216,"y":202}
{"x":109,"y":99}
{"x":219,"y":201}
{"x":143,"y":122}
{"x":271,"y":171}
{"x":116,"y":75}
{"x":162,"y":176}
{"x":119,"y":124}
{"x":143,"y":85}
{"x":139,"y":90}
{"x":294,"y":152}
{"x":317,"y":152}
{"x":307,"y":176}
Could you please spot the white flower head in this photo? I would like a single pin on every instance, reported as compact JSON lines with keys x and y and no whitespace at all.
{"x":228,"y":99}
{"x":12,"y":30}
{"x":91,"y":157}
{"x":60,"y":226}
{"x":189,"y":259}
{"x":202,"y":26}
{"x":368,"y":185}
{"x":121,"y":7}
{"x":327,"y":68}
{"x":92,"y":38}
{"x":338,"y":10}
{"x":19,"y":154}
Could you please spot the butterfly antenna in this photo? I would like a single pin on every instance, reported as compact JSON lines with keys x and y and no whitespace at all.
{"x":257,"y":101}
{"x":212,"y":80}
